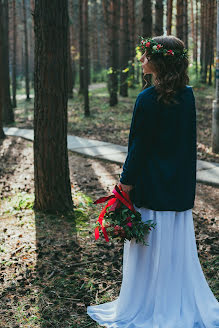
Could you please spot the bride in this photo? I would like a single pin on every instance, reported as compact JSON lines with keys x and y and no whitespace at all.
{"x":163,"y":284}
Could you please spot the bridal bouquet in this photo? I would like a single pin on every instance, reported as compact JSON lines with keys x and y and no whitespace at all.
{"x":118,"y":219}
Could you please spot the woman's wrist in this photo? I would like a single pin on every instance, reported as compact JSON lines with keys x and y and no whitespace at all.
{"x":126,"y":188}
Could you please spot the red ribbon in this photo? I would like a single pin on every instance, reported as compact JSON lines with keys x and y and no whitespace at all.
{"x":120,"y":197}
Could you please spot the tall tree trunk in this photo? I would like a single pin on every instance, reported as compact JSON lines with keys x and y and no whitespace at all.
{"x":115,"y":10}
{"x":86,"y":49}
{"x":112,"y":13}
{"x":27,"y":81}
{"x":158,"y":29}
{"x":202,"y":40}
{"x":169,"y":16}
{"x":193,"y":30}
{"x":206,"y":44}
{"x":14,"y":66}
{"x":8,"y":114}
{"x":212,"y":38}
{"x":125,"y":49}
{"x":95,"y":43}
{"x":51,"y":169}
{"x":147,"y":32}
{"x":185,"y":38}
{"x":72,"y":44}
{"x":132,"y":41}
{"x":180,"y":19}
{"x":70,"y":73}
{"x":19,"y":40}
{"x":2,"y":31}
{"x":81,"y":48}
{"x":196,"y":39}
{"x":32,"y":42}
{"x":104,"y":43}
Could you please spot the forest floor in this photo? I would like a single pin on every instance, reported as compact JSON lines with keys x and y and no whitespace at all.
{"x":51,"y":266}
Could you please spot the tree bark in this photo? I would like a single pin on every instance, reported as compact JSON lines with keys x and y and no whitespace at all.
{"x":8,"y":114}
{"x":132,"y":41}
{"x":111,"y":13}
{"x":212,"y":41}
{"x":26,"y":66}
{"x":95,"y":45}
{"x":180,"y":19}
{"x":196,"y":39}
{"x":73,"y":43}
{"x":70,"y":73}
{"x":14,"y":66}
{"x":193,"y":30}
{"x":51,"y":169}
{"x":158,"y":29}
{"x":185,"y":38}
{"x":81,"y":48}
{"x":169,"y":16}
{"x":147,"y":32}
{"x":202,"y":40}
{"x":85,"y":51}
{"x":125,"y":49}
{"x":2,"y":135}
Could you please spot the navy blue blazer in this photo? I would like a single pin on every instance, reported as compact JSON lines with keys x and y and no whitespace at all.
{"x":162,"y":153}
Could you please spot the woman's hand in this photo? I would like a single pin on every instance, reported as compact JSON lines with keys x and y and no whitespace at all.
{"x":126,"y":188}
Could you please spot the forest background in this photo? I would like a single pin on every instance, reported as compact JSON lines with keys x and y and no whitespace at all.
{"x":72,"y":68}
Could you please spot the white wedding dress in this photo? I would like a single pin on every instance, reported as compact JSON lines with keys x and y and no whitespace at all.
{"x":163,"y":284}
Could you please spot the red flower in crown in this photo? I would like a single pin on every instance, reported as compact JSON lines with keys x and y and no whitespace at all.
{"x":170,"y":52}
{"x":159,"y":46}
{"x":148,"y":44}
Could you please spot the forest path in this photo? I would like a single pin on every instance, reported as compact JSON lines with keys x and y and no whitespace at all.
{"x":207,"y":172}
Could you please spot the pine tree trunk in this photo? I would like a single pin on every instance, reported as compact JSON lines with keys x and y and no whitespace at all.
{"x":147,"y":32}
{"x":8,"y":114}
{"x":95,"y":40}
{"x":14,"y":67}
{"x":206,"y":57}
{"x":202,"y":40}
{"x":70,"y":73}
{"x":2,"y":135}
{"x":158,"y":29}
{"x":212,"y":39}
{"x":179,"y":19}
{"x":27,"y":81}
{"x":114,"y":48}
{"x":132,"y":42}
{"x":51,"y":169}
{"x":185,"y":32}
{"x":112,"y":13}
{"x":193,"y":31}
{"x":19,"y":41}
{"x":73,"y":46}
{"x":196,"y":39}
{"x":85,"y":51}
{"x":32,"y":42}
{"x":104,"y":42}
{"x":169,"y":16}
{"x":125,"y":49}
{"x":81,"y":48}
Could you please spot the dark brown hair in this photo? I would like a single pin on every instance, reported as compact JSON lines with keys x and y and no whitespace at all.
{"x":171,"y":76}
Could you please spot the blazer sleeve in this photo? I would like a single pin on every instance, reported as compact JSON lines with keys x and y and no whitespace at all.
{"x":139,"y":139}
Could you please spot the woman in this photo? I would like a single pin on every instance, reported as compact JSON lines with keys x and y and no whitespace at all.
{"x":163,"y":284}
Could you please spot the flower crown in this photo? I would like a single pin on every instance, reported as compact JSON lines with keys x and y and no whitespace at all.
{"x":152,"y":47}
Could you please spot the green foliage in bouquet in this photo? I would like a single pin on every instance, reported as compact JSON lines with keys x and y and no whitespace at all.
{"x":121,"y":224}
